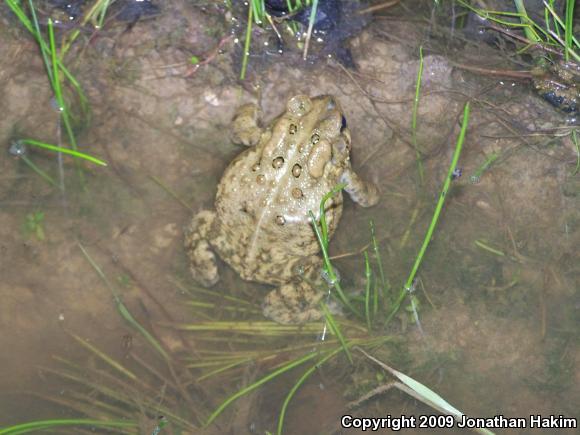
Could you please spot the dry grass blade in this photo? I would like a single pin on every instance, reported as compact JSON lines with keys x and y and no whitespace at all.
{"x":422,"y":392}
{"x":255,"y":328}
{"x":104,"y":357}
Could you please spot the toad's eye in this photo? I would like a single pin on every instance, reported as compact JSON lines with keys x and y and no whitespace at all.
{"x":342,"y":123}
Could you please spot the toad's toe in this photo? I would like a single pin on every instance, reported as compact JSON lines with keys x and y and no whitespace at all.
{"x":293,"y":303}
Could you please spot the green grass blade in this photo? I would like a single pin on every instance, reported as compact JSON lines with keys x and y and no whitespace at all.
{"x":70,"y":152}
{"x":577,"y":145}
{"x":224,"y":368}
{"x":375,"y":299}
{"x":249,"y":327}
{"x":325,"y":198}
{"x":21,"y":15}
{"x":125,"y":313}
{"x":259,"y":383}
{"x":34,"y":426}
{"x":55,"y":76}
{"x":321,"y":232}
{"x":436,"y":214}
{"x":247,"y":41}
{"x":384,"y":283}
{"x":569,"y":49}
{"x":167,"y":189}
{"x":38,"y":36}
{"x":58,"y":91}
{"x":367,"y":291}
{"x":146,"y":334}
{"x":35,"y":31}
{"x":297,"y":385}
{"x":311,"y":21}
{"x":329,"y":269}
{"x":106,"y":358}
{"x":489,"y":160}
{"x":335,"y":329}
{"x":526,"y":21}
{"x":569,"y":27}
{"x":414,"y":117}
{"x":39,"y":171}
{"x":488,"y":248}
{"x":259,"y":10}
{"x":102,"y":12}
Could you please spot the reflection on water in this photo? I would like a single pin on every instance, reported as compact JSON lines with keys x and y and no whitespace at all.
{"x":496,"y":295}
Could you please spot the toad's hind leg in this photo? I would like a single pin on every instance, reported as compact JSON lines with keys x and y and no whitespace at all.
{"x":295,"y":302}
{"x":203,"y":264}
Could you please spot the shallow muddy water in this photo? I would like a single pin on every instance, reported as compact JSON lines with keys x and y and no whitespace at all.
{"x":498,"y":289}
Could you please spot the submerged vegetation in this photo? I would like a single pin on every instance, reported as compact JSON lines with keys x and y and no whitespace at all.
{"x":257,"y":14}
{"x":131,"y":398}
{"x":555,"y":32}
{"x":551,"y":44}
{"x":379,"y":296}
{"x":60,"y":80}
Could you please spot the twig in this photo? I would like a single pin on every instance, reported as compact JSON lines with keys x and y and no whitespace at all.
{"x":378,"y":7}
{"x":211,"y":56}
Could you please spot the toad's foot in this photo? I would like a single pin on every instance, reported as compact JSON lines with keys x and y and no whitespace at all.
{"x":292,"y":303}
{"x":203,"y":263}
{"x":245,"y":129}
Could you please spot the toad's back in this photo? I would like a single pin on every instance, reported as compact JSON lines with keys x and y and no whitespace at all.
{"x":261,"y":226}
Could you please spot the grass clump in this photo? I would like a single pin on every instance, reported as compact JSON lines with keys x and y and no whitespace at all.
{"x":225,"y":343}
{"x":60,"y":79}
{"x":555,"y":36}
{"x":53,"y":424}
{"x":366,"y":311}
{"x":377,"y":298}
{"x":258,"y":15}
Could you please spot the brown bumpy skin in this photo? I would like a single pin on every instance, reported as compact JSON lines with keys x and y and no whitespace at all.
{"x":260,"y":226}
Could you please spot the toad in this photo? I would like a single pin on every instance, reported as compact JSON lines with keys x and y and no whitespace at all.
{"x":261,"y":226}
